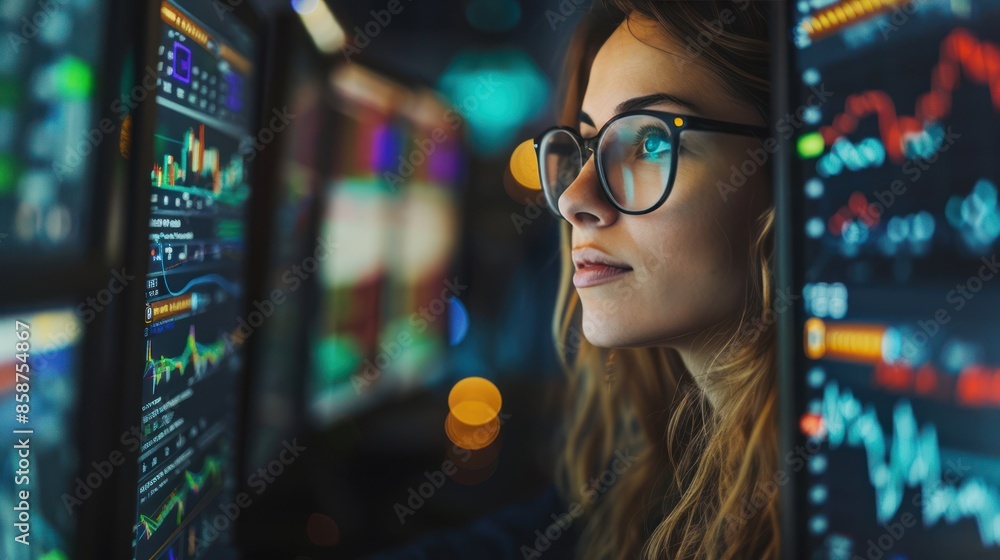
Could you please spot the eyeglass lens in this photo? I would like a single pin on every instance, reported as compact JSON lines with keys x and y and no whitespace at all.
{"x":635,"y":156}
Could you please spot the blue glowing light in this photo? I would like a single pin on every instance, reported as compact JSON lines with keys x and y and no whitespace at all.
{"x":976,"y":216}
{"x":495,"y":92}
{"x":458,"y":323}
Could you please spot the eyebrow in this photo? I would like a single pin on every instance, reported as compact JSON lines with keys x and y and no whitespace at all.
{"x":644,"y":101}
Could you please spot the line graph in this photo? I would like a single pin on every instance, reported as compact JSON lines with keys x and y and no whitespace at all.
{"x":960,"y":53}
{"x":217,"y":279}
{"x":197,"y":355}
{"x":911,"y":460}
{"x":192,"y":482}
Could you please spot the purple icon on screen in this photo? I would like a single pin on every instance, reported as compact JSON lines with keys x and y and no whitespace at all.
{"x":182,"y":63}
{"x":234,"y":100}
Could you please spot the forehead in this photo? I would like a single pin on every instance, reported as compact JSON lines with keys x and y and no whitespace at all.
{"x":642,"y":58}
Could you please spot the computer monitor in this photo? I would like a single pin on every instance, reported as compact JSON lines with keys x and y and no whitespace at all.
{"x":355,"y":222}
{"x":894,"y":127}
{"x":64,"y":99}
{"x":196,"y":322}
{"x":422,"y":296}
{"x":38,"y":394}
{"x":49,"y":82}
{"x":387,"y":294}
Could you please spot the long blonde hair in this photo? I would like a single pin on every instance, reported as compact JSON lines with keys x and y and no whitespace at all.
{"x":695,"y":488}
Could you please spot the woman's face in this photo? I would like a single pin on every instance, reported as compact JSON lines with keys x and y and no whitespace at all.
{"x":689,"y":257}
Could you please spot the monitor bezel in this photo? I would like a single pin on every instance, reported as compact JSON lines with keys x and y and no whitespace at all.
{"x":788,"y":207}
{"x":289,"y":39}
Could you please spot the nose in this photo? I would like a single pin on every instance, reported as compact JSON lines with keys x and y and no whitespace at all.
{"x":583,"y":203}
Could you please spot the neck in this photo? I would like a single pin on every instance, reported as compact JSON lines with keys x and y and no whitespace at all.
{"x":701,"y":355}
{"x":697,"y":363}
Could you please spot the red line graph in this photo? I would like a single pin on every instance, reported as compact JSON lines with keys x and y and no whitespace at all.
{"x":979,"y":61}
{"x":979,"y":386}
{"x":975,"y":386}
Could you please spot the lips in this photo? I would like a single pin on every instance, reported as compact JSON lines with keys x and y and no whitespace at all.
{"x":584,"y":257}
{"x":594,"y":267}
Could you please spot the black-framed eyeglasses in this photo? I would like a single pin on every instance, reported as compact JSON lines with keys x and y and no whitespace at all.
{"x":636,"y":156}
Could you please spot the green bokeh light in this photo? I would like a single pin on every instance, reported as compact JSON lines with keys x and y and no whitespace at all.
{"x":337,"y":357}
{"x":10,"y":93}
{"x":810,"y":145}
{"x":74,"y":79}
{"x":8,"y":172}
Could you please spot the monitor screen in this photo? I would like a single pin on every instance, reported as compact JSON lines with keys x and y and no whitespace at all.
{"x":895,"y":129}
{"x":196,"y":321}
{"x":421,"y":287}
{"x":386,"y":294}
{"x":355,"y":222}
{"x":38,"y":394}
{"x":48,"y":129}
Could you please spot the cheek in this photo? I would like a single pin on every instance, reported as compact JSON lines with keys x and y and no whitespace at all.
{"x":693,"y":259}
{"x":727,"y":214}
{"x":705,"y":234}
{"x":696,"y":254}
{"x":736,"y":185}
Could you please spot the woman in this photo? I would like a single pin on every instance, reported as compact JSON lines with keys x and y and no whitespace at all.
{"x":670,"y":436}
{"x":666,"y":273}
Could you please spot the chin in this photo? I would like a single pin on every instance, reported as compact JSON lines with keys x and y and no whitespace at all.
{"x":605,"y":335}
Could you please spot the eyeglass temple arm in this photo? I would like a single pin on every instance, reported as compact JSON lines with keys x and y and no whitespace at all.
{"x":710,"y":125}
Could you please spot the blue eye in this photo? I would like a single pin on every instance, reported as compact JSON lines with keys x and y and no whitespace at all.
{"x":654,"y":143}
